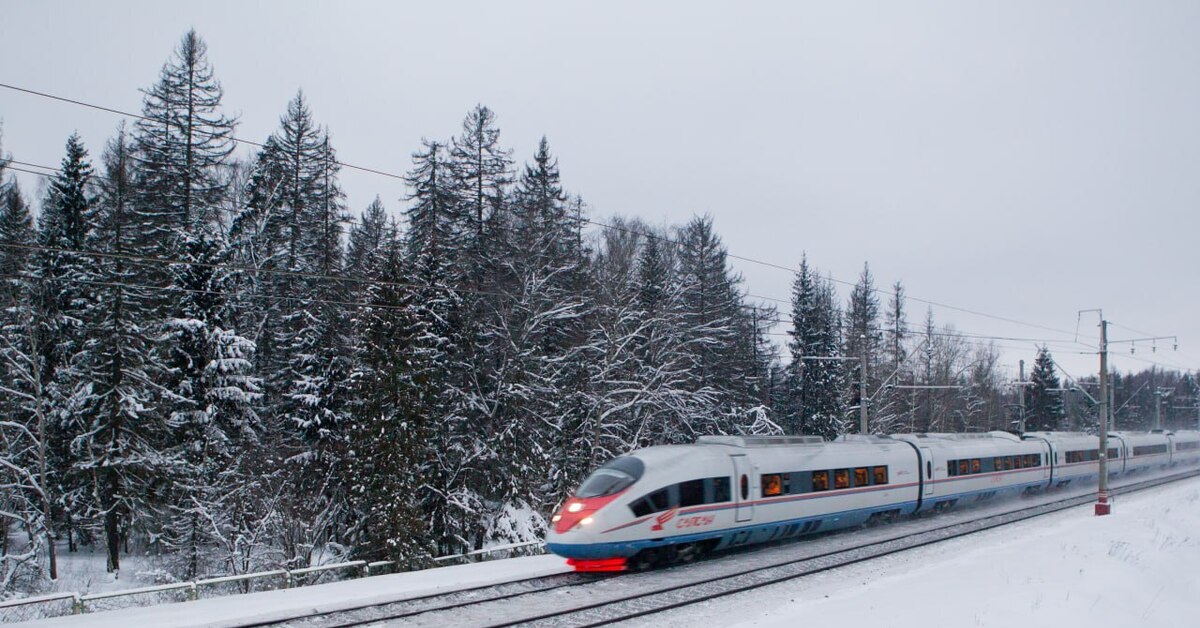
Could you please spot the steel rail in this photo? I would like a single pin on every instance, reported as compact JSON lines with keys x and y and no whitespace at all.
{"x":552,"y":582}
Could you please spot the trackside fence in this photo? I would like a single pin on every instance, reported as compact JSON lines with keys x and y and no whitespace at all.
{"x":58,"y":604}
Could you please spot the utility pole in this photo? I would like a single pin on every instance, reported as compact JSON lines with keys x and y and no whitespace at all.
{"x":1157,"y":398}
{"x":1111,"y":423}
{"x":1158,"y":408}
{"x":1021,"y":395}
{"x":1102,"y":505}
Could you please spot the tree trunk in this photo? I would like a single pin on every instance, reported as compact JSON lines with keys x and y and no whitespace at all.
{"x":112,"y":530}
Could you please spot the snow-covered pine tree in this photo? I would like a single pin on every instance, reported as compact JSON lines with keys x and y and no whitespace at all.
{"x":862,"y":336}
{"x":547,"y":326}
{"x":366,"y":240}
{"x":182,"y":149}
{"x":434,"y":237}
{"x":62,"y":296}
{"x":210,"y":399}
{"x":667,"y":399}
{"x":893,"y":409}
{"x":117,"y":449}
{"x":27,"y":490}
{"x":392,"y":456}
{"x":804,"y":287}
{"x":16,"y":231}
{"x":816,"y":401}
{"x":1043,"y":405}
{"x":183,"y":143}
{"x":482,"y":169}
{"x":725,"y":334}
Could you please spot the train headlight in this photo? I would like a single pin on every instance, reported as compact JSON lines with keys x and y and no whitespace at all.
{"x":555,"y":518}
{"x":586,"y":521}
{"x":575,"y":507}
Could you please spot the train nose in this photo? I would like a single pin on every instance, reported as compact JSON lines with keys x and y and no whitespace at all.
{"x":578,"y":512}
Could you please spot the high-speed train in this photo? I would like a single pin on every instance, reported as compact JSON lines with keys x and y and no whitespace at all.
{"x":662,"y":504}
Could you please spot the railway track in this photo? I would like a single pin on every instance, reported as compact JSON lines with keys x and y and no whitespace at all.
{"x":564,"y":600}
{"x":431,"y":603}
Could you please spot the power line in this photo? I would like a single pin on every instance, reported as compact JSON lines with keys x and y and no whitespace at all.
{"x":657,"y":237}
{"x":139,"y":116}
{"x":586,"y":221}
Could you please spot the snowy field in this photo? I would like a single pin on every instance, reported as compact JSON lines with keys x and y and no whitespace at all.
{"x":1138,"y":567}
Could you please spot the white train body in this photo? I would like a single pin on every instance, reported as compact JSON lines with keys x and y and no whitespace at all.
{"x":1185,"y":448}
{"x":727,"y":491}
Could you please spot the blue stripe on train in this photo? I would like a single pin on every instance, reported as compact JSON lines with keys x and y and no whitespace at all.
{"x":761,"y":533}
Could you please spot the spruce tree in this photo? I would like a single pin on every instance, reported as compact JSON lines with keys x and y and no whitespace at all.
{"x":815,"y":400}
{"x":63,"y":295}
{"x":1044,"y":409}
{"x":183,"y":143}
{"x":118,"y":446}
{"x":862,"y":336}
{"x":481,"y":168}
{"x":16,"y":231}
{"x":393,"y":460}
{"x":435,"y":232}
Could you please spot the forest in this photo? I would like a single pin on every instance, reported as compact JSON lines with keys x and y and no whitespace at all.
{"x":208,"y":358}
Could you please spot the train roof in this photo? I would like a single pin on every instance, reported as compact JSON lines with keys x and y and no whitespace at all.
{"x":759,"y":441}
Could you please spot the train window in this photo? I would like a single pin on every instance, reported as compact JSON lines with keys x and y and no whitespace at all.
{"x":820,"y":480}
{"x":691,"y":493}
{"x":612,"y":478}
{"x":720,"y":490}
{"x":641,"y":507}
{"x":998,"y":464}
{"x":881,"y":475}
{"x":772,"y":485}
{"x":841,"y":478}
{"x":952,"y":468}
{"x":745,"y":482}
{"x":861,"y":477}
{"x":976,"y":466}
{"x":964,"y":467}
{"x":660,"y":499}
{"x":1114,"y":453}
{"x":1018,"y":462}
{"x":929,"y":469}
{"x":1008,"y":463}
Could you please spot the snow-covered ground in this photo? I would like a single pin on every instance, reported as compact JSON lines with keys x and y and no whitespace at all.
{"x":1137,"y":567}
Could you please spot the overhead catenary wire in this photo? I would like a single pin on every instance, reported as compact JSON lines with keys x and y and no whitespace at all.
{"x":139,"y":116}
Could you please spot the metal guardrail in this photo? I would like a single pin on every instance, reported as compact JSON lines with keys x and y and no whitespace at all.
{"x":30,"y":608}
{"x":59,"y":604}
{"x":491,"y":550}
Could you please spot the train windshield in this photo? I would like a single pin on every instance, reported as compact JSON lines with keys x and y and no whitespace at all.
{"x":613,"y":477}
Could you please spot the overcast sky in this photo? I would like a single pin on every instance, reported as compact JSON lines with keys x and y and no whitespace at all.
{"x":1023,"y":160}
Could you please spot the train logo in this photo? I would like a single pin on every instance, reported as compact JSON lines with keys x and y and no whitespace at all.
{"x":663,"y":519}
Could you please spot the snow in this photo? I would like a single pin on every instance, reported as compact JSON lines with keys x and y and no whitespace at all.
{"x":1136,"y":567}
{"x":280,"y":605}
